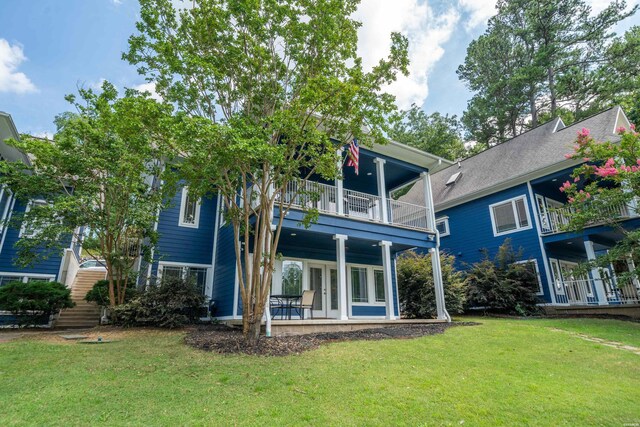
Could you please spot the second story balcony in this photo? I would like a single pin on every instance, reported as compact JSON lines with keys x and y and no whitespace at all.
{"x":556,"y":220}
{"x":331,"y":200}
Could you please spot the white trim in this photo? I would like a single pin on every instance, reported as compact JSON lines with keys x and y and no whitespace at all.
{"x":557,"y":280}
{"x":445,"y":221}
{"x":183,"y":201}
{"x":538,"y":276}
{"x":515,"y":214}
{"x":543,"y":251}
{"x":27,"y":276}
{"x":371,"y":288}
{"x":626,"y":119}
{"x":555,"y":128}
{"x":382,"y":188}
{"x":9,"y":215}
{"x":162,"y":264}
{"x":27,"y":209}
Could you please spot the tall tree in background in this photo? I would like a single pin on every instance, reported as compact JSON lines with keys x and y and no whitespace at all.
{"x":97,"y":174}
{"x":434,"y":133}
{"x":268,"y":92}
{"x":549,"y":53}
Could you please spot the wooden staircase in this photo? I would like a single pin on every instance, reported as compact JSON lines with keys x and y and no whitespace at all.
{"x":84,"y":314}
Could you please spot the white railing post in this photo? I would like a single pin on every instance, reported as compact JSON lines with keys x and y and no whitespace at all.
{"x":382,"y":188}
{"x":341,"y":270}
{"x":595,"y":273}
{"x":339,"y":186}
{"x":428,"y":201}
{"x":388,"y":285}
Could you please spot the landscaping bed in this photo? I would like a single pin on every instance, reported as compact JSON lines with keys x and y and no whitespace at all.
{"x":228,"y":340}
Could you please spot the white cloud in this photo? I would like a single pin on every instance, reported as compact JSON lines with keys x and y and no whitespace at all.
{"x":427,"y":33}
{"x":479,"y":11}
{"x":10,"y":79}
{"x":151,"y":88}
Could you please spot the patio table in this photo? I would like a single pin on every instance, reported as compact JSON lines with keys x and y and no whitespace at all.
{"x":282,"y":303}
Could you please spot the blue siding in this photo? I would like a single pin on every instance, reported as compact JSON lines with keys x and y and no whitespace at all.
{"x":50,"y":265}
{"x":471,"y":232}
{"x":225,"y":273}
{"x":368,"y":310}
{"x":186,"y":244}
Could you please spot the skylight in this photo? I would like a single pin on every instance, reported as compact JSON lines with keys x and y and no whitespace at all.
{"x":454,"y":178}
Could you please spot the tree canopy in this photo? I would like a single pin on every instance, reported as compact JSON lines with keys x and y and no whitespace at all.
{"x":267,"y":93}
{"x":97,"y":182}
{"x":538,"y":60}
{"x":433,"y":133}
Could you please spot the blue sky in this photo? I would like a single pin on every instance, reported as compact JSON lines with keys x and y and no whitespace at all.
{"x":50,"y":47}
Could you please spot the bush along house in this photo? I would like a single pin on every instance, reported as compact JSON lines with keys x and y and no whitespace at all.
{"x":348,"y":256}
{"x":513,"y":191}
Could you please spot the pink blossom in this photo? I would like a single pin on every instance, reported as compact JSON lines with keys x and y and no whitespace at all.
{"x":565,"y":186}
{"x":586,"y":159}
{"x":576,"y":179}
{"x":635,"y":169}
{"x":638,"y":162}
{"x":633,"y":127}
{"x":584,"y":132}
{"x":609,"y":163}
{"x":587,"y":195}
{"x":606,"y":171}
{"x":621,"y":129}
{"x":571,"y":200}
{"x":569,"y":155}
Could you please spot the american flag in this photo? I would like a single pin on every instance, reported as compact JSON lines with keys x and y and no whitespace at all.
{"x":354,"y":155}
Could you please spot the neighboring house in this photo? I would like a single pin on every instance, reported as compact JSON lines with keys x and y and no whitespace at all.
{"x":348,"y":256}
{"x":512,"y":191}
{"x":49,"y":269}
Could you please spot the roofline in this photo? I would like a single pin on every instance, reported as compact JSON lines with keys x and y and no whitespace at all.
{"x":520,"y":179}
{"x":414,"y":156}
{"x":16,"y":135}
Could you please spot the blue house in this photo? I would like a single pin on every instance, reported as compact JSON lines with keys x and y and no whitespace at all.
{"x":348,"y":256}
{"x":49,"y":269}
{"x":512,"y":191}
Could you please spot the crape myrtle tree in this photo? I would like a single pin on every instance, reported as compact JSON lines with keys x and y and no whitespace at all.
{"x":268,"y":91}
{"x":607,"y":181}
{"x":98,"y":173}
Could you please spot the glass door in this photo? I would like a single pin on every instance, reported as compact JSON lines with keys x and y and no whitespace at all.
{"x":317,"y":284}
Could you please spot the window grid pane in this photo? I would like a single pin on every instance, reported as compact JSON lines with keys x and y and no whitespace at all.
{"x":190,"y":207}
{"x":441,"y":227}
{"x":292,"y":277}
{"x":359,"y":284}
{"x":199,"y":277}
{"x":504,"y":217}
{"x":522,"y":213}
{"x":378,"y":276}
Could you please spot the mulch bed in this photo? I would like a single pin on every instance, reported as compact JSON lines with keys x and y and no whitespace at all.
{"x":228,"y":340}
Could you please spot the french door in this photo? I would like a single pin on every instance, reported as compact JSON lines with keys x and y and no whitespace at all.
{"x":324,"y":280}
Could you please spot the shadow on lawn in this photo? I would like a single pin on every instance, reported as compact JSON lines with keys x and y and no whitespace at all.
{"x":227,"y":340}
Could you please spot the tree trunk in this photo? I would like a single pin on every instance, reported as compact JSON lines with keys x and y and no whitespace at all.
{"x":534,"y":110}
{"x":552,"y":90}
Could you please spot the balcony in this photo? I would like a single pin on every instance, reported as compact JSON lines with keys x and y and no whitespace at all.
{"x":556,"y":220}
{"x":355,"y":205}
{"x":583,"y":291}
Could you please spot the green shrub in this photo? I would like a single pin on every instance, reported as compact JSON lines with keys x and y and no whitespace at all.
{"x":502,"y":286}
{"x":33,"y":302}
{"x":416,"y":288}
{"x":171,"y":304}
{"x":100,"y":293}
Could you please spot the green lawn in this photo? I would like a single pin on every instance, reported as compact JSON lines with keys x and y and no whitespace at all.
{"x":503,"y":372}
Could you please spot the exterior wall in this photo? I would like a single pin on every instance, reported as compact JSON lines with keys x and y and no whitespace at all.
{"x":471,"y":231}
{"x":224,"y":278}
{"x":49,"y":266}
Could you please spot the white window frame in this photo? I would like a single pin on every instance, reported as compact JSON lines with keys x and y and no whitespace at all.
{"x":557,"y":278}
{"x":4,"y":190}
{"x":538,"y":277}
{"x":515,"y":213}
{"x":23,"y":231}
{"x":443,"y":220}
{"x":24,"y":277}
{"x":184,"y":266}
{"x":371,"y":286}
{"x":183,"y":203}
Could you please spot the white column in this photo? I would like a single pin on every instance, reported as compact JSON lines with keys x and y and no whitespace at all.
{"x":435,"y":252}
{"x":388,"y":285}
{"x":428,"y":200}
{"x":339,"y":186}
{"x":595,"y":274}
{"x":341,"y":261}
{"x":382,"y":189}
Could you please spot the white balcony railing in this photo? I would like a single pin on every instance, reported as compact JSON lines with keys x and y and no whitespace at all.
{"x":355,"y":204}
{"x":556,"y":220}
{"x":583,"y":291}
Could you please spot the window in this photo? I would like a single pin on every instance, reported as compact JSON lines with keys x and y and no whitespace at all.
{"x":5,"y":205}
{"x":178,"y":272}
{"x":532,"y":266}
{"x":359,"y":291}
{"x":292,"y":277}
{"x":378,"y":279}
{"x":510,"y":216}
{"x":442,"y":225}
{"x":29,"y":230}
{"x":10,"y":277}
{"x":189,"y":210}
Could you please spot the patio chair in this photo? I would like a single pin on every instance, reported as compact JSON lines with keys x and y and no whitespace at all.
{"x":304,"y":303}
{"x":278,"y":306}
